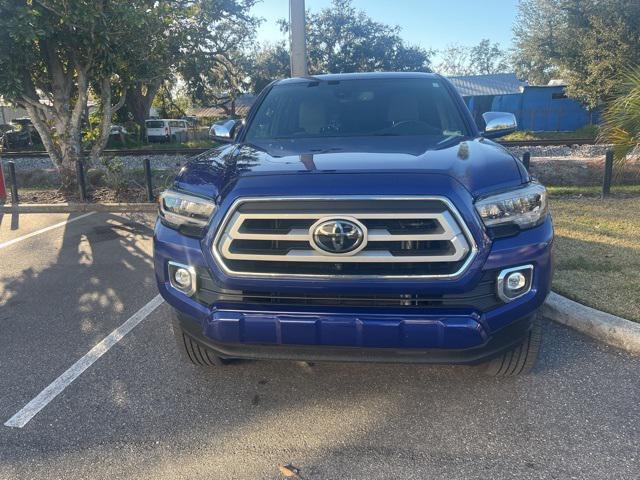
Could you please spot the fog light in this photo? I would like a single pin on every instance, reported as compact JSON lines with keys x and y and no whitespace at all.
{"x":182,"y":278}
{"x":514,"y":282}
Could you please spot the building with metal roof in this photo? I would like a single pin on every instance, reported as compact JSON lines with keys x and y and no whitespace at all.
{"x":242,"y":106}
{"x":496,"y":84}
{"x":536,"y":107}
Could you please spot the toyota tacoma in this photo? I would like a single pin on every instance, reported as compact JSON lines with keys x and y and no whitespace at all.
{"x":357,"y":217}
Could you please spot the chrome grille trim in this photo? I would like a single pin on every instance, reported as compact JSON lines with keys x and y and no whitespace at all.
{"x":454,"y":230}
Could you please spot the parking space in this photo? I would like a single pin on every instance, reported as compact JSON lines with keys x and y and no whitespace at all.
{"x":15,"y":227}
{"x":138,"y":412}
{"x":63,"y":290}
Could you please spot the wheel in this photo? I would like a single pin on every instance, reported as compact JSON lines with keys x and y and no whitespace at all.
{"x":193,"y":351}
{"x":518,"y":361}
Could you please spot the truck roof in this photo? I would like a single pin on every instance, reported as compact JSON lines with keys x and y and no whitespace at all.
{"x":358,"y":76}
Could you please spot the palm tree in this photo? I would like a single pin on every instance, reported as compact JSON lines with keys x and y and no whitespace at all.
{"x":621,"y":118}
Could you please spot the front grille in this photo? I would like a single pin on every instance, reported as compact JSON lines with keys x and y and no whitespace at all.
{"x":403,"y":237}
{"x":481,"y":298}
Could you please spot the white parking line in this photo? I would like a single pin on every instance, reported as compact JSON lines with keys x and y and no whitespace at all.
{"x":42,"y":230}
{"x":27,"y":412}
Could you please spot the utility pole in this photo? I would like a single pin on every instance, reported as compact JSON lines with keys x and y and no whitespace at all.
{"x":297,"y":39}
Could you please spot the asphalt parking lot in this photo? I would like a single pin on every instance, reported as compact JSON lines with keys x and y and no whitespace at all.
{"x":138,"y":412}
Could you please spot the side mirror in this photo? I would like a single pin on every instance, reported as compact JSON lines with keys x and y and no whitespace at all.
{"x":225,"y":131}
{"x":499,"y":124}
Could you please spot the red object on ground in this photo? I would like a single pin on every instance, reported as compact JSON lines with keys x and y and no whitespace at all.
{"x":3,"y":189}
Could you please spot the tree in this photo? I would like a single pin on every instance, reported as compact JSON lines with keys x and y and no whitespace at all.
{"x":488,"y":58}
{"x":201,"y":44}
{"x":537,"y":36}
{"x":172,"y":101}
{"x":216,"y":72}
{"x":218,"y":80}
{"x":55,"y":53}
{"x":341,"y":39}
{"x":268,"y":63}
{"x":585,"y":42}
{"x":485,"y":58}
{"x":455,"y":60}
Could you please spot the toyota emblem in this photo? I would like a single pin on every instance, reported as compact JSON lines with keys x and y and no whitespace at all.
{"x":338,"y":236}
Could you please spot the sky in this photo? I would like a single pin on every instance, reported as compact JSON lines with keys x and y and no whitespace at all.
{"x":427,"y":23}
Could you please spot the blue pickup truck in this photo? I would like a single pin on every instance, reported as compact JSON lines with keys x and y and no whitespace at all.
{"x":357,"y":217}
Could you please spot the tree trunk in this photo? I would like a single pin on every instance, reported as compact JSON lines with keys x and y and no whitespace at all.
{"x":59,"y":122}
{"x":139,"y":99}
{"x":70,"y":155}
{"x":105,"y":122}
{"x":64,"y":150}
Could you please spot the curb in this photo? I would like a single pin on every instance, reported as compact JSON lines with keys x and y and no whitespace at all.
{"x":610,"y":329}
{"x":78,"y":207}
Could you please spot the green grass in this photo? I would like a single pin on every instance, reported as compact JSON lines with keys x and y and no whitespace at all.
{"x":597,"y":252}
{"x":590,"y":131}
{"x":592,"y":191}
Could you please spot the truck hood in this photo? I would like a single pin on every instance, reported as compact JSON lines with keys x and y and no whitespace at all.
{"x":477,"y":164}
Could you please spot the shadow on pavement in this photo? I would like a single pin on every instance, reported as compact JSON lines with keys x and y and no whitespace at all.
{"x":62,"y":292}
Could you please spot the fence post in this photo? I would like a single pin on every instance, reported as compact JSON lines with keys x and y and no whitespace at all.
{"x":3,"y":188}
{"x":82,"y":186}
{"x":526,"y":160}
{"x":608,"y":174}
{"x":147,"y":176}
{"x":14,"y":183}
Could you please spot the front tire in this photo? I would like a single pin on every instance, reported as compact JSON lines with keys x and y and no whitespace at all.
{"x":193,"y":352}
{"x":518,"y":361}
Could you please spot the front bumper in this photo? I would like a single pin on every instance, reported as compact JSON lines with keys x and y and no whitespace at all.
{"x":441,"y":335}
{"x":500,"y":341}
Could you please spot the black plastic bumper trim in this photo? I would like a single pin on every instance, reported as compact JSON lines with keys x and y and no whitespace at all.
{"x":502,"y":340}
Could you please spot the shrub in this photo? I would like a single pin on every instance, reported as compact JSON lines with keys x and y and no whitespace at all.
{"x":621,"y":118}
{"x":114,"y":174}
{"x":95,"y":177}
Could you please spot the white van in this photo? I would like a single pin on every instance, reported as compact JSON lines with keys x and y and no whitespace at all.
{"x":166,"y":130}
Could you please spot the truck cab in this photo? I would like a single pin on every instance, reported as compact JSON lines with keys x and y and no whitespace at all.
{"x":357,"y":217}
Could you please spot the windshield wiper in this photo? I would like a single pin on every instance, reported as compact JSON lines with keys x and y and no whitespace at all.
{"x":449,"y":141}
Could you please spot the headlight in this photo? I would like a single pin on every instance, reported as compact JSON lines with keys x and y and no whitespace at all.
{"x":188,"y":213}
{"x":525,"y":207}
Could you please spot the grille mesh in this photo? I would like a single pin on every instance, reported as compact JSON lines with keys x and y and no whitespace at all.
{"x":403,"y":237}
{"x":481,"y":298}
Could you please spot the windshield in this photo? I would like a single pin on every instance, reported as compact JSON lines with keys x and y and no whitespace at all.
{"x":356,"y":108}
{"x":155,"y":124}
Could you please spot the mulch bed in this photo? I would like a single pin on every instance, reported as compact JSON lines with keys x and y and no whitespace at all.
{"x":97,"y":195}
